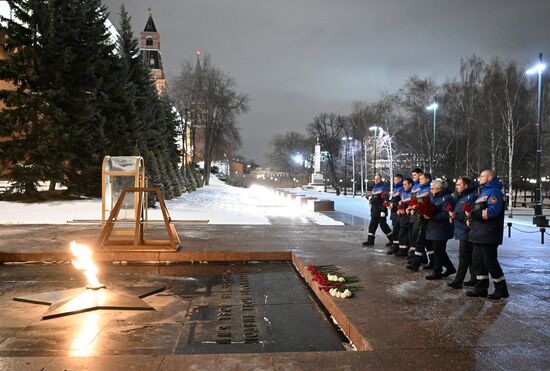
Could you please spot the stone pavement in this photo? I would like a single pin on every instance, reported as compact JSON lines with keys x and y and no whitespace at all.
{"x":405,"y":321}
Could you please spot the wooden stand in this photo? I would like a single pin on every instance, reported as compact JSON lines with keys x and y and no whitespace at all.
{"x":138,"y":243}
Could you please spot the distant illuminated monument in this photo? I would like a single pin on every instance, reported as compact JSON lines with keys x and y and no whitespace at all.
{"x":317,"y":178}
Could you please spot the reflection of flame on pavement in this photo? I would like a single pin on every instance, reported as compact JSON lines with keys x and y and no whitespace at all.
{"x":80,"y":346}
{"x":83,"y":262}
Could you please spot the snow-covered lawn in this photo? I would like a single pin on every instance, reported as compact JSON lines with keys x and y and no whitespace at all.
{"x":218,"y":203}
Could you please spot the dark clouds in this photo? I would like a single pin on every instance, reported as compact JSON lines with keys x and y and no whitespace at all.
{"x":296,"y":59}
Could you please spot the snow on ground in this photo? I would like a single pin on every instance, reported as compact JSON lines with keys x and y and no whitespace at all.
{"x":218,"y":203}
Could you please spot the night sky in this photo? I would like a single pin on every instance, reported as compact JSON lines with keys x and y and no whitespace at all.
{"x":298,"y":58}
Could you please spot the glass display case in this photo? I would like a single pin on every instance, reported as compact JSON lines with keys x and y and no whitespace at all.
{"x":118,"y":173}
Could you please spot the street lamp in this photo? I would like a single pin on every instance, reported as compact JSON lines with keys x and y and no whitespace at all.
{"x":539,"y":220}
{"x":433,"y":107}
{"x":345,"y":140}
{"x":376,"y":129}
{"x":298,"y":158}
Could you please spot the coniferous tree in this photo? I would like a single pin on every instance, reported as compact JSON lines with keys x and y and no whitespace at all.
{"x":164,"y":177}
{"x":27,"y":118}
{"x":191,"y":182}
{"x":198,"y":177}
{"x":77,"y":99}
{"x":83,"y":56}
{"x":174,"y":184}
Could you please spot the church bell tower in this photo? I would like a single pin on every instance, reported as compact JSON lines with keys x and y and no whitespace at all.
{"x":150,"y":49}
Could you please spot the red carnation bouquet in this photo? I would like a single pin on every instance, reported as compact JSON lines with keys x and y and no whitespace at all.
{"x":466,"y":208}
{"x":449,"y":207}
{"x":387,"y":204}
{"x":400,"y":206}
{"x":425,"y":207}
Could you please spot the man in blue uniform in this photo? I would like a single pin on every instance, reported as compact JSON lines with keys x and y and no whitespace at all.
{"x":378,"y":211}
{"x":439,"y":230}
{"x":421,"y":246}
{"x":395,"y":199}
{"x":486,"y":222}
{"x":405,"y":222}
{"x":413,"y":230}
{"x":466,"y":197}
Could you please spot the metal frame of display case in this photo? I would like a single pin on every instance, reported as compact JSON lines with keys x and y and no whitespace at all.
{"x":137,"y":242}
{"x":108,"y":177}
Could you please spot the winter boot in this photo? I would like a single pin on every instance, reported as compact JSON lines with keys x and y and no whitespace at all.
{"x":369,"y":241}
{"x":501,"y":290}
{"x":402,"y":251}
{"x":390,"y":240}
{"x":455,"y":285}
{"x":415,"y":262}
{"x":476,"y":293}
{"x":449,"y":271}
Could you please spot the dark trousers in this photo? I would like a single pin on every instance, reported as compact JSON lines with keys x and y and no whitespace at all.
{"x":440,"y":257}
{"x":404,"y":230}
{"x":374,"y":222}
{"x":413,"y":237}
{"x":465,"y":250}
{"x":420,"y":247}
{"x":396,"y":229}
{"x":485,"y":262}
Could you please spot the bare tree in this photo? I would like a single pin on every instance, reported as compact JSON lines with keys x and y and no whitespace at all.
{"x":283,"y":147}
{"x":329,"y":128}
{"x":214,"y":104}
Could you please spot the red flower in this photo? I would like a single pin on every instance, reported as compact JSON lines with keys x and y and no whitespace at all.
{"x":400,"y":207}
{"x":466,"y":208}
{"x":449,"y":207}
{"x":413,"y":203}
{"x":426,"y":207}
{"x":387,"y":204}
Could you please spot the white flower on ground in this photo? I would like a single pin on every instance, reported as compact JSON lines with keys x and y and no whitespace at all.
{"x":341,"y":279}
{"x":346,"y":294}
{"x":338,"y":294}
{"x":332,"y":292}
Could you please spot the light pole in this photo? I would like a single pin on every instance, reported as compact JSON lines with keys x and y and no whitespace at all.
{"x":352,"y":165}
{"x":345,"y":140}
{"x":375,"y":129}
{"x":433,"y":107}
{"x":365,"y":169}
{"x":539,"y":220}
{"x":325,"y":155}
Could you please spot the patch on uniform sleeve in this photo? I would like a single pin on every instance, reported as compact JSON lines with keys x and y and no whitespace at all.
{"x":493,"y":200}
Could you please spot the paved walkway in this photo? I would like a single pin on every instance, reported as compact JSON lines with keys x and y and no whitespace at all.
{"x":408,"y":322}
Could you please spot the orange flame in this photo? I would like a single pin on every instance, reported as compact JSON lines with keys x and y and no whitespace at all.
{"x":84,"y":262}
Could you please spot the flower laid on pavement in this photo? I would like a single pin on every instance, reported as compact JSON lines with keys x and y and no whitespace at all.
{"x":330,"y":280}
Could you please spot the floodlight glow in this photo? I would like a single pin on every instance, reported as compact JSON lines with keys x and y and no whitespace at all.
{"x":298,"y":158}
{"x":432,"y":106}
{"x":538,"y":68}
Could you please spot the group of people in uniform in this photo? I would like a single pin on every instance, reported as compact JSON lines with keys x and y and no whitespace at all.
{"x":427,"y":213}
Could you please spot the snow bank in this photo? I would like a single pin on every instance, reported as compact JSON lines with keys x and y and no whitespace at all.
{"x":219,"y":203}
